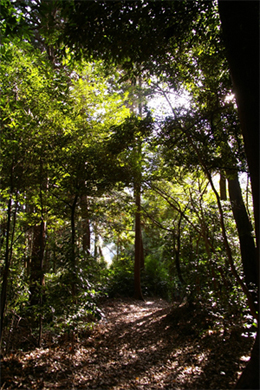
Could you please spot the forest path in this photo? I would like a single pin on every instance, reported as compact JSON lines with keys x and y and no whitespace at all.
{"x":137,"y":345}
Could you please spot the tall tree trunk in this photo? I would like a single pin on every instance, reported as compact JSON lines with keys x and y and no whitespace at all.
{"x":240,"y":25}
{"x":138,"y":248}
{"x":139,"y":256}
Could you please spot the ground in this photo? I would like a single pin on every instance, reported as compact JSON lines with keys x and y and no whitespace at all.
{"x":136,"y":345}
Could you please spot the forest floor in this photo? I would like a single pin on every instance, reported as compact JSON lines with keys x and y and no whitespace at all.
{"x":136,"y":345}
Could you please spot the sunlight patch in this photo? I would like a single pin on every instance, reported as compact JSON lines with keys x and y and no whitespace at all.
{"x":245,"y":358}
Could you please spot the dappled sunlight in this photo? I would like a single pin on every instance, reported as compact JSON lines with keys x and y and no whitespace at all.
{"x":136,"y":345}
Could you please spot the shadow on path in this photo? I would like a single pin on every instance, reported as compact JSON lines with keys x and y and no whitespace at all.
{"x":138,"y":345}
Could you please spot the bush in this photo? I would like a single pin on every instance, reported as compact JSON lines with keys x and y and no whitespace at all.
{"x":155,"y":280}
{"x":120,"y":278}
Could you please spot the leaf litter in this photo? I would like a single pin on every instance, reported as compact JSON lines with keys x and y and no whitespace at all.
{"x":136,"y":345}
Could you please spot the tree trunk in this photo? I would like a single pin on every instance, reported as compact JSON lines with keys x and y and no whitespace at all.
{"x":37,"y":273}
{"x":85,"y":224}
{"x":177,"y":250}
{"x":72,"y":249}
{"x":223,"y":187}
{"x":137,"y":268}
{"x":240,"y":25}
{"x":142,"y":253}
{"x":250,"y":376}
{"x":244,"y":228}
{"x":7,"y":265}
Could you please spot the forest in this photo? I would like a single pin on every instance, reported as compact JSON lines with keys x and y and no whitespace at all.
{"x":129,"y":209}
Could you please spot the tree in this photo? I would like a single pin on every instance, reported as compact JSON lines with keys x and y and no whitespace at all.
{"x":240,"y":24}
{"x":25,"y":159}
{"x":52,"y":154}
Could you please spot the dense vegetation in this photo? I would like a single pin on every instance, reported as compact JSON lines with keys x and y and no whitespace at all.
{"x":124,"y":169}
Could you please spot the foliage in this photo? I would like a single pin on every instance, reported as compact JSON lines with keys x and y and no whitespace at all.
{"x":77,"y":137}
{"x":121,"y":278}
{"x":65,"y":313}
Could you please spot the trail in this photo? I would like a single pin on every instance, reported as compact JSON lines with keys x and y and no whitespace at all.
{"x":137,"y":345}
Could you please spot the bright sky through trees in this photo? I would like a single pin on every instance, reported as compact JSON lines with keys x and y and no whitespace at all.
{"x":160,"y":107}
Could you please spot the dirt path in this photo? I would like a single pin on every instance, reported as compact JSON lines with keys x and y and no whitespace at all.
{"x":137,"y":345}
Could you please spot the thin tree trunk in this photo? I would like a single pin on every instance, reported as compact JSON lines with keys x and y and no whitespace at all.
{"x":7,"y":265}
{"x":142,"y":253}
{"x":139,"y":257}
{"x":137,"y":268}
{"x":177,"y":250}
{"x":244,"y":228}
{"x":72,"y":249}
{"x":85,"y":224}
{"x":96,"y":246}
{"x":223,"y":187}
{"x":37,"y":274}
{"x":221,"y":214}
{"x":229,"y":253}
